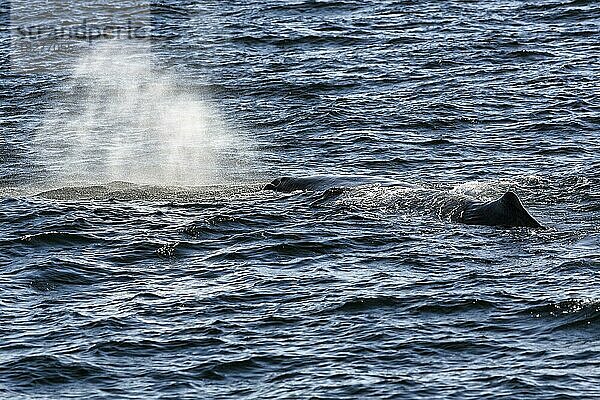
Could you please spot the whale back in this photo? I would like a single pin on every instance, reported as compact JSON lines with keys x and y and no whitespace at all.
{"x":287,"y":184}
{"x":506,"y":211}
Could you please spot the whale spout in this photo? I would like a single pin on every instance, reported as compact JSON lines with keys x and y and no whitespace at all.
{"x":506,"y":211}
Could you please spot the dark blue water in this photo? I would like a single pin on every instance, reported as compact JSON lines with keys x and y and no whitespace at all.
{"x":140,"y":259}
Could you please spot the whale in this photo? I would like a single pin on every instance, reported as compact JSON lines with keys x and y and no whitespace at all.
{"x":288,"y":184}
{"x":507,"y":211}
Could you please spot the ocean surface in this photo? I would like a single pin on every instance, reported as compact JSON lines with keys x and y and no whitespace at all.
{"x":139,"y":257}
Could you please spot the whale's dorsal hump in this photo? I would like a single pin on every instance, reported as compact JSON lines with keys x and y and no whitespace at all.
{"x":508,"y":210}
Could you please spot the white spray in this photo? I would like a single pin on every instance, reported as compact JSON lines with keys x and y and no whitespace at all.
{"x":121,"y":119}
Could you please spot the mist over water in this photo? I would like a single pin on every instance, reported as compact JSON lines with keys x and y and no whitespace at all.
{"x":149,"y":288}
{"x":119,"y":117}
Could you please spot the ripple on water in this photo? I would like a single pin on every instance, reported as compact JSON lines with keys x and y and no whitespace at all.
{"x":33,"y":371}
{"x":116,"y":289}
{"x":573,"y":314}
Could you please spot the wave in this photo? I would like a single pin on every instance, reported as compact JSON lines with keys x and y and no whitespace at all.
{"x":130,"y":347}
{"x":456,"y":306}
{"x":60,"y":238}
{"x":283,"y":42}
{"x":568,"y":314}
{"x":579,"y":265}
{"x":362,"y":304}
{"x":530,"y":54}
{"x":315,"y":5}
{"x":55,"y":273}
{"x":35,"y":370}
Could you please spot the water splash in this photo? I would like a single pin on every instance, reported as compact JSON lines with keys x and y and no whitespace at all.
{"x":120,"y":118}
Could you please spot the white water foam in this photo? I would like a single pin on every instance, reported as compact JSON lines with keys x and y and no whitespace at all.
{"x":120,"y":118}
